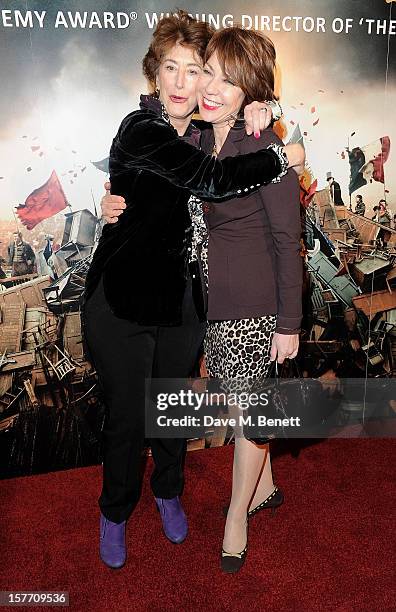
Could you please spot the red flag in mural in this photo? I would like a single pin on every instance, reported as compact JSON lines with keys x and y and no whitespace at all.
{"x":367,"y":163}
{"x":378,"y":155}
{"x":42,"y":203}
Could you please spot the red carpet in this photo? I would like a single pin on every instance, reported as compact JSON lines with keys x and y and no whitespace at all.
{"x":330,"y":547}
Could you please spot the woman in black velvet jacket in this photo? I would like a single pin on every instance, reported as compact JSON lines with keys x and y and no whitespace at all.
{"x":139,"y":320}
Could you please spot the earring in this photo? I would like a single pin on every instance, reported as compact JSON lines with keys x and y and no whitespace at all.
{"x":156,"y":93}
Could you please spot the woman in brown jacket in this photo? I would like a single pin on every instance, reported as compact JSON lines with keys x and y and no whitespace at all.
{"x":251,"y":263}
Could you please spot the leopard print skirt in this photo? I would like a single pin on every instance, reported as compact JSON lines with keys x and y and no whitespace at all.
{"x":237,"y":348}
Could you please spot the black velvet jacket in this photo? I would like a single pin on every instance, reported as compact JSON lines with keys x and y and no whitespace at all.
{"x":142,"y":257}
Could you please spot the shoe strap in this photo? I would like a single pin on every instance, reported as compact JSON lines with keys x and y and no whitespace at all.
{"x":239,"y":555}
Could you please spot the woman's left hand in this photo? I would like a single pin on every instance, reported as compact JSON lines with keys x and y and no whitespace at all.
{"x":258,"y":116}
{"x":284,"y":347}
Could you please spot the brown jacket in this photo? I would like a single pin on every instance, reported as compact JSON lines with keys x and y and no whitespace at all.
{"x":254,"y":263}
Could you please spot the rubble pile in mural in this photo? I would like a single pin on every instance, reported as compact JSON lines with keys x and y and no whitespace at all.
{"x":50,"y":409}
{"x":51,"y":412}
{"x":350,"y":316}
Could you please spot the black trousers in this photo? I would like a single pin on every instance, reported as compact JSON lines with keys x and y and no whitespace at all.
{"x":124,"y":355}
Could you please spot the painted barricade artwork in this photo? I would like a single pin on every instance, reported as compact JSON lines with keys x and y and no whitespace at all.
{"x":68,"y":78}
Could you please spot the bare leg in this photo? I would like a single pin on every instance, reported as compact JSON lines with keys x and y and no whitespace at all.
{"x":248,"y":464}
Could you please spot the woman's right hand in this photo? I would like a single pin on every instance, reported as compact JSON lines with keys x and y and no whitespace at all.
{"x":112,"y":205}
{"x":296,"y":155}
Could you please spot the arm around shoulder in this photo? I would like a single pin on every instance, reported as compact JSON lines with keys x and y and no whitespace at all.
{"x":145,"y":142}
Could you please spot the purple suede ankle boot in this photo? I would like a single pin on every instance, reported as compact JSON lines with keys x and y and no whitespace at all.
{"x":112,"y":542}
{"x":174,"y":520}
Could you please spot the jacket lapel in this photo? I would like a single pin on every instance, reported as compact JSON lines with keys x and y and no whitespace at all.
{"x":231,"y":147}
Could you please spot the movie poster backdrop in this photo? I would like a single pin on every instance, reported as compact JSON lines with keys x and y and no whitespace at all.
{"x":70,"y":71}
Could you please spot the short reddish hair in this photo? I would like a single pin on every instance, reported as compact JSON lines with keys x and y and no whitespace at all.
{"x":178,"y":28}
{"x":248,"y":58}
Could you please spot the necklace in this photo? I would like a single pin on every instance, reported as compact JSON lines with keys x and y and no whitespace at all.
{"x":214,"y":151}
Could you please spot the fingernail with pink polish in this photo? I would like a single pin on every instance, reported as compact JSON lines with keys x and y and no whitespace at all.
{"x":257,"y":134}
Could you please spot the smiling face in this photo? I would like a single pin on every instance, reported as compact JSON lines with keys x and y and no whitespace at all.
{"x":177,"y":81}
{"x":219,"y":99}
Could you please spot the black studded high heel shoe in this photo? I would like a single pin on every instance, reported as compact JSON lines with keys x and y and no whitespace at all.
{"x":232,"y":562}
{"x":273,"y":501}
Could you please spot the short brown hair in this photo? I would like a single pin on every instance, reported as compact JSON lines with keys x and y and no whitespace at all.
{"x":248,"y":58}
{"x":178,"y":28}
